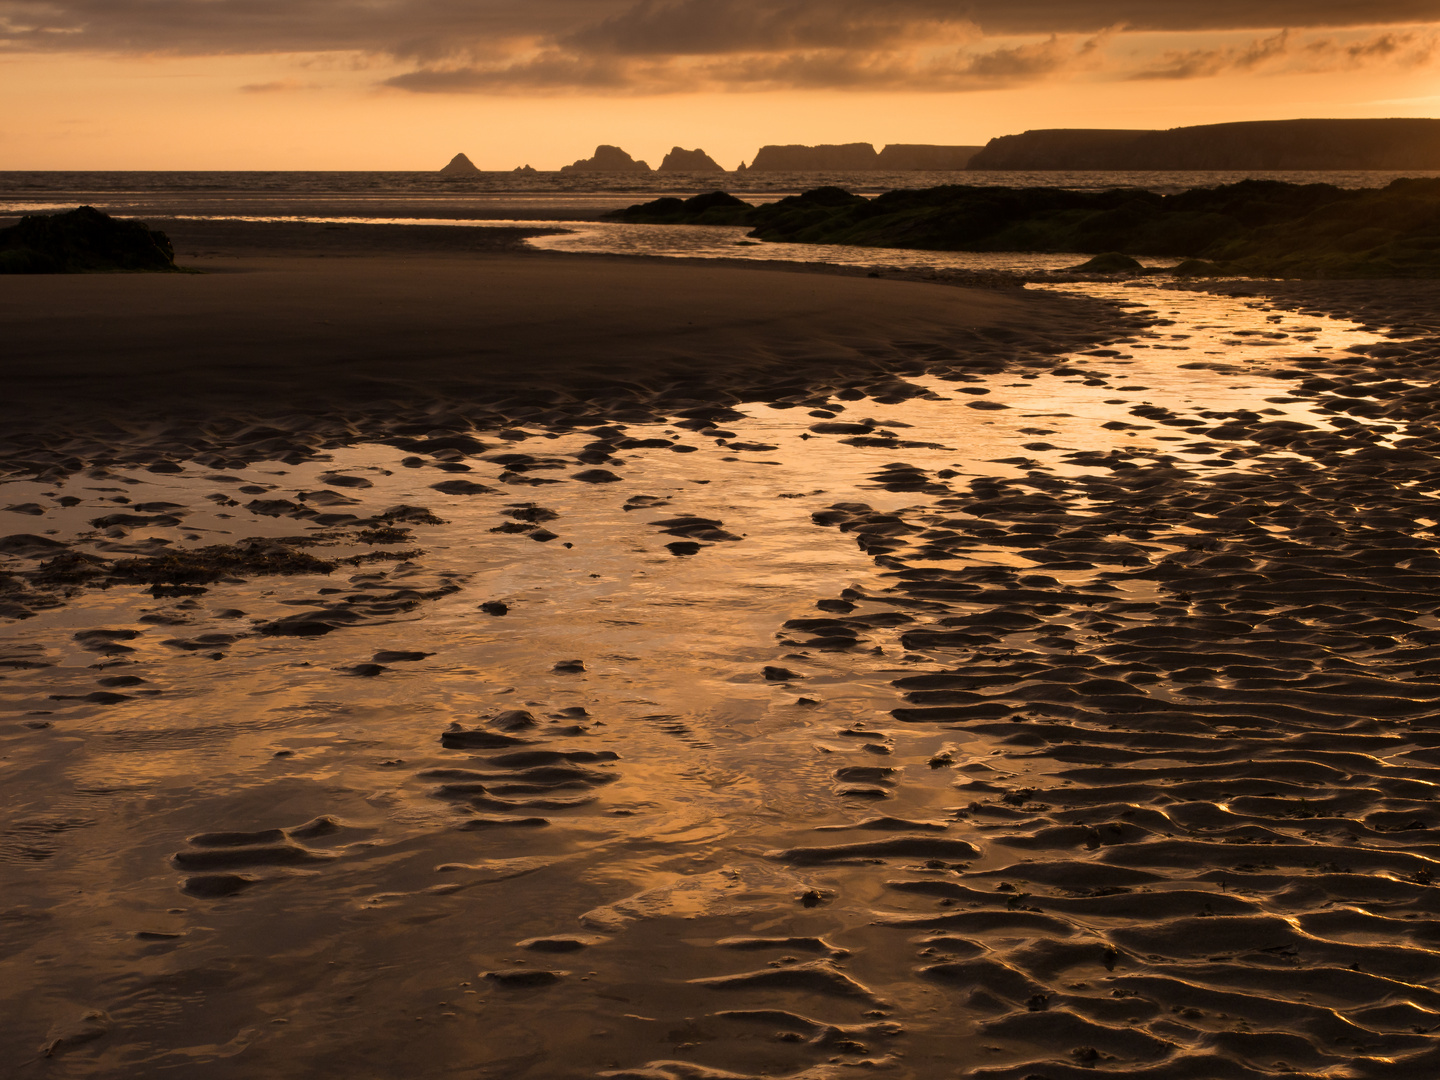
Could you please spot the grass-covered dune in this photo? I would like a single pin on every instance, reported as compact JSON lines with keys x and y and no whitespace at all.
{"x":1256,"y":227}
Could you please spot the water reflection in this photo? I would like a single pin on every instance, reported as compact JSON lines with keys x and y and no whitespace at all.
{"x":263,"y":859}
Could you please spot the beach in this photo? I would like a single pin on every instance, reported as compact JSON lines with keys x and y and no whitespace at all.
{"x":432,"y":657}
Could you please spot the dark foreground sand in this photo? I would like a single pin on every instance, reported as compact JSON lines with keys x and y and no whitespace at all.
{"x":1106,"y":761}
{"x":457,"y":318}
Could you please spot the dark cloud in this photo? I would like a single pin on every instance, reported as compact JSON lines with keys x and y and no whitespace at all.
{"x":280,"y":86}
{"x":406,"y":29}
{"x":640,"y":46}
{"x":719,"y":27}
{"x":832,"y":69}
{"x":1281,"y":51}
{"x":1203,"y":63}
{"x":705,"y":27}
{"x":434,"y":28}
{"x":549,"y":72}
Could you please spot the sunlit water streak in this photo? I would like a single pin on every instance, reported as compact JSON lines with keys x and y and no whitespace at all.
{"x":717,"y":764}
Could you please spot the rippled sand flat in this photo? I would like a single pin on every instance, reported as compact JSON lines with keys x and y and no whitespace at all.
{"x":1029,"y":714}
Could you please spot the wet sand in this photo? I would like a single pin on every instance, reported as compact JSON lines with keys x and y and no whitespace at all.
{"x":340,"y":323}
{"x":985,"y":712}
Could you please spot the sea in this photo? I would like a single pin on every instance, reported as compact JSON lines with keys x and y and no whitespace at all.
{"x":552,"y":195}
{"x":569,"y":204}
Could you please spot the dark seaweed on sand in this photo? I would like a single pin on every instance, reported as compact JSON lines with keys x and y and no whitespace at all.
{"x":199,"y":566}
{"x":1262,"y":228}
{"x":82,"y":241}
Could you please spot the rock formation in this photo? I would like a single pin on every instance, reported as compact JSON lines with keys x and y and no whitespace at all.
{"x":524,"y":170}
{"x":607,"y":159}
{"x":1261,"y":228}
{"x":1056,"y":148}
{"x":1400,"y":144}
{"x":861,"y":157}
{"x":460,"y":165}
{"x":848,"y":157}
{"x":83,"y":240}
{"x":711,"y":208}
{"x":906,"y":157}
{"x":678,"y":160}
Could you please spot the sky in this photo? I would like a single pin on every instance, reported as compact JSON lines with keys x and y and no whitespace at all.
{"x":406,"y":84}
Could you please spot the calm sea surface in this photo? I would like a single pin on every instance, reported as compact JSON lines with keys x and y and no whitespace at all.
{"x":551,"y":195}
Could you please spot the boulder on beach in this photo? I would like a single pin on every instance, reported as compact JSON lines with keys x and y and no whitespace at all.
{"x":460,"y":165}
{"x":1112,"y":262}
{"x":678,"y":160}
{"x":711,"y":208}
{"x":83,"y":240}
{"x":1197,"y":268}
{"x":607,"y":159}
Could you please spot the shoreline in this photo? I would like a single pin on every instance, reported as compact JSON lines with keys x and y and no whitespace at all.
{"x":378,"y":327}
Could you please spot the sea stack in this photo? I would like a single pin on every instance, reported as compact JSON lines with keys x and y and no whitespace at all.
{"x":460,"y":165}
{"x":692,"y":161}
{"x":607,"y":159}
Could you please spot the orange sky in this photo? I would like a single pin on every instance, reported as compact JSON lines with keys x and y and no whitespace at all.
{"x":405,"y":84}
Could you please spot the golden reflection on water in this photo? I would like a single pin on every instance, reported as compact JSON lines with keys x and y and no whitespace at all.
{"x":367,"y":955}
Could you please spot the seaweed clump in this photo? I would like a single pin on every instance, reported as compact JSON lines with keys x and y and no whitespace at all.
{"x":203,"y":566}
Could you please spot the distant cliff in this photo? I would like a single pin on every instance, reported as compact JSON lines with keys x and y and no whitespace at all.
{"x":1057,"y":148}
{"x":460,"y":165}
{"x":1401,"y":144}
{"x":678,"y":160}
{"x":607,"y":159}
{"x":913,"y":157}
{"x":861,"y":157}
{"x":844,"y":158}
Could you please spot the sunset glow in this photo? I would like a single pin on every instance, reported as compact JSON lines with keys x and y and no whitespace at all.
{"x":325,"y":84}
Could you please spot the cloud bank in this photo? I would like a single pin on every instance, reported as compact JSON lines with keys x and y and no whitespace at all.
{"x":659,"y":46}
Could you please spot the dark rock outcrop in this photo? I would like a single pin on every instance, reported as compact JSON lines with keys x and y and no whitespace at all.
{"x":1394,"y":144}
{"x":712,"y":208}
{"x":678,"y":160}
{"x":1112,"y":262}
{"x":607,"y":159}
{"x":920,"y":157}
{"x":1260,"y":228}
{"x":82,"y":241}
{"x":525,"y":170}
{"x":460,"y":165}
{"x":847,"y":157}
